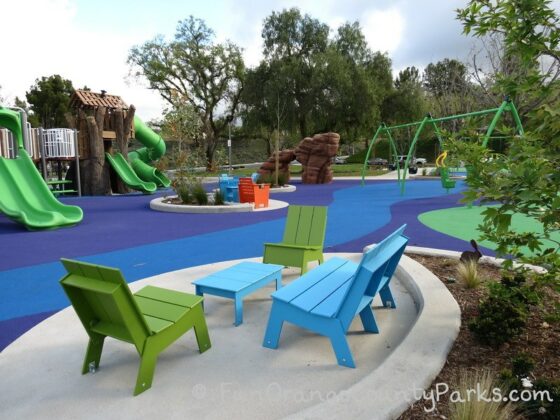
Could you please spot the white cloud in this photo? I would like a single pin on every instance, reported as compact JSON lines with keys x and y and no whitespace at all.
{"x":47,"y":40}
{"x":383,"y":29}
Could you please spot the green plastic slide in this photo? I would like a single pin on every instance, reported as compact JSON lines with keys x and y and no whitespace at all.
{"x":24,"y":195}
{"x":127,"y":174}
{"x":140,"y":159}
{"x":27,"y":199}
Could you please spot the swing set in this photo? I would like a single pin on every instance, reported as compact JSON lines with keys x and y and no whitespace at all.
{"x":506,"y":106}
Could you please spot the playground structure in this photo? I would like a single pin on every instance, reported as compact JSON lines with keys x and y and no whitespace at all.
{"x":506,"y":106}
{"x":105,"y":125}
{"x":446,"y":182}
{"x":315,"y":155}
{"x":26,"y":197}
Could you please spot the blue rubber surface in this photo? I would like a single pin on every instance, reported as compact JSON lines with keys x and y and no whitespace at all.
{"x":123,"y":232}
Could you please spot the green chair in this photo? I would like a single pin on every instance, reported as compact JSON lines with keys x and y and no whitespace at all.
{"x":304,"y":236}
{"x":151,"y":319}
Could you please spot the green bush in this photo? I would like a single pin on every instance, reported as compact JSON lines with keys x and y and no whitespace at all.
{"x":503,"y":315}
{"x":199,"y":194}
{"x":184,"y":193}
{"x":359,"y":157}
{"x":271,"y":179}
{"x":218,"y":198}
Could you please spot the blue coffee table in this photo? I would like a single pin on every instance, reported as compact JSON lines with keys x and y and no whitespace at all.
{"x":238,"y":281}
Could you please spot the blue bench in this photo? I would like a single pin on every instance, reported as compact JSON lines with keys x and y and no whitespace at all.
{"x":238,"y":281}
{"x":229,"y":187}
{"x":326,"y":299}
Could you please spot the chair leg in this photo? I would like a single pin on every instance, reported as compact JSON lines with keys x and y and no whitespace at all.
{"x":368,"y":320}
{"x":93,"y":353}
{"x":341,"y":348}
{"x":273,"y":330}
{"x":387,"y":297}
{"x":201,"y":330}
{"x":146,"y":370}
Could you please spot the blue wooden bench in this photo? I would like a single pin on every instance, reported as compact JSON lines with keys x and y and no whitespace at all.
{"x":326,"y":299}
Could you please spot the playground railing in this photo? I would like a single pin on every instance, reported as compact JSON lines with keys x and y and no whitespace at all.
{"x":7,"y":144}
{"x":59,"y":143}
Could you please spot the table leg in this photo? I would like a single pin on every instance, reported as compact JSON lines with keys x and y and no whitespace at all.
{"x":238,"y":310}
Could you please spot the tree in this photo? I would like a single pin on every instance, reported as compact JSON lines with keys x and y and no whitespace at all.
{"x":447,"y":83}
{"x":264,"y":107}
{"x":526,"y":69}
{"x":405,"y":104}
{"x":49,"y":100}
{"x":293,"y":45}
{"x":192,"y":67}
{"x":355,"y":81}
{"x":525,"y":181}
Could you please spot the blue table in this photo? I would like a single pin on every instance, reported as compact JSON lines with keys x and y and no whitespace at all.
{"x":238,"y":281}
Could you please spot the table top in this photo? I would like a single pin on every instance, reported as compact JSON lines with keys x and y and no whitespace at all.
{"x":239,"y":276}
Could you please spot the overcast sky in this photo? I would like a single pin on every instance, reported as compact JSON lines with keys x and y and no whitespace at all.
{"x":87,"y":41}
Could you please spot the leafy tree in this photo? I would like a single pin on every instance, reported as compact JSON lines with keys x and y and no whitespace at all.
{"x":192,"y":67}
{"x":405,"y":104}
{"x":517,"y":65}
{"x":525,"y":181}
{"x":49,"y":100}
{"x":264,"y":106}
{"x":293,"y":45}
{"x":355,"y":82}
{"x":448,"y":86}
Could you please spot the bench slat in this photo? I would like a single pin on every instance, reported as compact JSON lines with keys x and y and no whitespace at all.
{"x":302,"y":284}
{"x":319,"y":292}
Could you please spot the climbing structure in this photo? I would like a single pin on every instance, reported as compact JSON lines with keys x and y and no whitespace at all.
{"x":106,"y":124}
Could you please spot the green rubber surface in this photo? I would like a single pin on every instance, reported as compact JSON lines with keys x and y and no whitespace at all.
{"x":462,"y":223}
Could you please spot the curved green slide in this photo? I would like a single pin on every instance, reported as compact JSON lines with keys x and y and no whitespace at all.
{"x":127,"y":174}
{"x":24,"y":195}
{"x":140,"y":159}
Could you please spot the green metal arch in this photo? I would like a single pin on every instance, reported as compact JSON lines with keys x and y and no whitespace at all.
{"x":507,"y":105}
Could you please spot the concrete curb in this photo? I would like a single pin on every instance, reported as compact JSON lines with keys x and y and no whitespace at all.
{"x":157,"y":204}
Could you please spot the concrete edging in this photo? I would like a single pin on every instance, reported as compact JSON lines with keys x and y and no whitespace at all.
{"x":157,"y":204}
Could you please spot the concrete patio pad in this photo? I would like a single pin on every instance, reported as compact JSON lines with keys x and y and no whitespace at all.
{"x":237,"y":377}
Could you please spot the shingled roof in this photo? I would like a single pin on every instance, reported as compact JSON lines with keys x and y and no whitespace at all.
{"x":86,"y":99}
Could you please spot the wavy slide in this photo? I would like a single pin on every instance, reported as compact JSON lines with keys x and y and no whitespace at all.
{"x":27,"y":199}
{"x":127,"y":174}
{"x":138,"y":174}
{"x":24,"y":195}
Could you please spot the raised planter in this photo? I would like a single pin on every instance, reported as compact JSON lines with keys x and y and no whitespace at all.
{"x":284,"y":189}
{"x":158,"y":204}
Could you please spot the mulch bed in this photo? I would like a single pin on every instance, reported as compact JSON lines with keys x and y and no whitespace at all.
{"x":539,"y":339}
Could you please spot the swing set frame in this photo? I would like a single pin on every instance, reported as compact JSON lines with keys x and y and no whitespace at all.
{"x":506,"y":106}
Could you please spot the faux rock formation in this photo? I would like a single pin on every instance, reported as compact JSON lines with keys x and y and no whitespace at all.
{"x":285,"y":157}
{"x":315,"y":154}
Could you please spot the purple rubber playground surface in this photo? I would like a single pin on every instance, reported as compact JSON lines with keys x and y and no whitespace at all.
{"x":122,"y":231}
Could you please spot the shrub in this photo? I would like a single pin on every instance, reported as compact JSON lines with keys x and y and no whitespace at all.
{"x":271,"y":179}
{"x":218,"y":198}
{"x":467,"y":273}
{"x":547,"y":406}
{"x":503,"y":315}
{"x":184,"y":193}
{"x":199,"y":194}
{"x":471,"y":406}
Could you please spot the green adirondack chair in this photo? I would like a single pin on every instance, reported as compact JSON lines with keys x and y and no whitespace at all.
{"x":151,"y":319}
{"x":304,"y":236}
